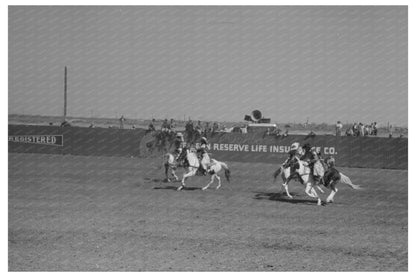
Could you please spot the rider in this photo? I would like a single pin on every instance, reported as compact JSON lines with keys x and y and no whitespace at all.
{"x":179,"y":144}
{"x":201,"y":151}
{"x":318,"y":168}
{"x":292,"y":152}
{"x":312,"y":156}
{"x":332,"y":174}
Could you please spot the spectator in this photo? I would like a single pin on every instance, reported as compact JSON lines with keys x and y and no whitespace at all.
{"x":361,"y":129}
{"x":286,"y":133}
{"x":199,"y":127}
{"x":122,"y":119}
{"x":215,"y":127}
{"x":244,"y":129}
{"x":367,"y":130}
{"x":375,"y":129}
{"x":150,"y":128}
{"x":189,"y":129}
{"x":165,"y":125}
{"x":338,"y":128}
{"x":207,"y":129}
{"x":172,"y":124}
{"x":355,"y":129}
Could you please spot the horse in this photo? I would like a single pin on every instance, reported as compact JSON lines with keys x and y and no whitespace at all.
{"x":169,"y":162}
{"x":285,"y":174}
{"x":330,"y":180}
{"x":307,"y":178}
{"x":192,"y":167}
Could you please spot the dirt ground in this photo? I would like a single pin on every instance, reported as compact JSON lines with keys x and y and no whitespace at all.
{"x":75,"y":213}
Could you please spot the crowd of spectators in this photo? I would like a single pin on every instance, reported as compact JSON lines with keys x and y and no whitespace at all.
{"x":191,"y":128}
{"x":198,"y":128}
{"x":201,"y":129}
{"x":357,"y":129}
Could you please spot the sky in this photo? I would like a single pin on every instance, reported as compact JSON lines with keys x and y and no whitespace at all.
{"x":293,"y":63}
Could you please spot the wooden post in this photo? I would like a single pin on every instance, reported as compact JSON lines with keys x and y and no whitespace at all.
{"x":65,"y":90}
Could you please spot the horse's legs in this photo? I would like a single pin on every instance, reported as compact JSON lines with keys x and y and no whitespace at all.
{"x":308,"y":190}
{"x":166,"y":172}
{"x":186,"y":175}
{"x":312,"y":193}
{"x":174,"y":174}
{"x":319,"y":203}
{"x":285,"y":185}
{"x":219,"y":180}
{"x":212,"y":181}
{"x":334,"y":190}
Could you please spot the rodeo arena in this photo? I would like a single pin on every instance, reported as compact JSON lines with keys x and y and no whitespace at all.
{"x":182,"y":192}
{"x":169,"y":198}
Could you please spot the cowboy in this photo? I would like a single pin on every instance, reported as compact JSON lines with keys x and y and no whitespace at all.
{"x":201,"y":151}
{"x":294,"y":149}
{"x":179,"y":144}
{"x":332,"y":174}
{"x":292,"y":161}
{"x":312,"y":158}
{"x":318,"y":168}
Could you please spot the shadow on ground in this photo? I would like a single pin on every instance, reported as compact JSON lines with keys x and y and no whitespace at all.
{"x":281,"y":197}
{"x":176,"y":187}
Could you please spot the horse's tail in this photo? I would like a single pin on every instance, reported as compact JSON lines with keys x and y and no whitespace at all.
{"x":346,"y":180}
{"x":277,"y":173}
{"x":226,"y":170}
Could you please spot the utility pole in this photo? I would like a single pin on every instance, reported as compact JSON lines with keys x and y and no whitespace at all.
{"x":65,"y":90}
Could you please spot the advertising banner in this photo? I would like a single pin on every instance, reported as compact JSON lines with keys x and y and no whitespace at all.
{"x":369,"y":152}
{"x":54,"y":140}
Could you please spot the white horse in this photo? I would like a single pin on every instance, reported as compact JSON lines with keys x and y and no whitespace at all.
{"x":285,"y":173}
{"x":307,"y":178}
{"x":332,"y":182}
{"x":213,"y":168}
{"x":169,"y":162}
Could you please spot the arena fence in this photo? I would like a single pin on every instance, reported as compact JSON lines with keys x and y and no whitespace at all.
{"x":370,"y":152}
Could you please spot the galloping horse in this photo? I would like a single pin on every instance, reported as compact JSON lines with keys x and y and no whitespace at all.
{"x":331,"y":178}
{"x":307,"y":178}
{"x":285,"y":174}
{"x":192,"y":166}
